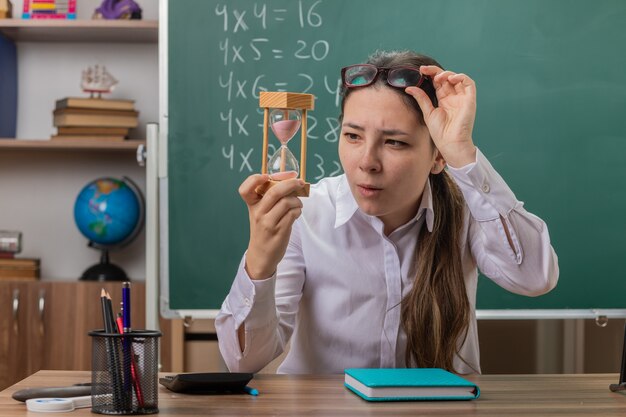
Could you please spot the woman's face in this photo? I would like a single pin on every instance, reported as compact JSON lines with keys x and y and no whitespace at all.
{"x":387,"y":154}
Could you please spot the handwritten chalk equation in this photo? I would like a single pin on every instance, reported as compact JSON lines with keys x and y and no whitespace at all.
{"x":248,"y":41}
{"x":242,"y":88}
{"x":259,"y":48}
{"x":236,"y":20}
{"x":238,"y":159}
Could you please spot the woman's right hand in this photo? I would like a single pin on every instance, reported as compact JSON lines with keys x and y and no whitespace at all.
{"x":271,"y":218}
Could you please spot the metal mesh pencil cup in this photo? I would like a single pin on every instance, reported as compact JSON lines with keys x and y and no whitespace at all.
{"x":124,"y":372}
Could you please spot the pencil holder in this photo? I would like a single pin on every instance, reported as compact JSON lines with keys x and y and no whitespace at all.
{"x":124,"y":372}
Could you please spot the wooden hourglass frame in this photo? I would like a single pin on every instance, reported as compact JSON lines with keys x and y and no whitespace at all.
{"x":285,"y":101}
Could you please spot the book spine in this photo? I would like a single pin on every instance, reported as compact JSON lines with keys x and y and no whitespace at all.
{"x":87,"y":138}
{"x":96,"y":131}
{"x":19,"y":273}
{"x":8,"y":87}
{"x":2,"y":278}
{"x":10,"y":277}
{"x":88,"y":120}
{"x":96,"y":105}
{"x":96,"y":112}
{"x":19,"y":263}
{"x":49,"y":16}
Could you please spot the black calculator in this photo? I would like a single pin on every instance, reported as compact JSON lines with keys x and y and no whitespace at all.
{"x":207,"y":383}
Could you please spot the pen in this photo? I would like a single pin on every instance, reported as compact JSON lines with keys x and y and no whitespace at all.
{"x":251,"y":391}
{"x":126,"y":306}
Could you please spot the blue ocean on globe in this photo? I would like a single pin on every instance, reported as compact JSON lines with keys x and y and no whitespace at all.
{"x":107,"y":211}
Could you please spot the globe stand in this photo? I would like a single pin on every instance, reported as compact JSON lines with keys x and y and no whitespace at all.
{"x":104,"y":271}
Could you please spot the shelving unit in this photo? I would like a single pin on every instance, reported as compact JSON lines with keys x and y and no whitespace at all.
{"x":77,"y":31}
{"x":41,"y":178}
{"x":39,"y":171}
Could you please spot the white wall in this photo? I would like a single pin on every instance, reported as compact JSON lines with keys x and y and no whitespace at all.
{"x":48,"y":72}
{"x":38,"y":188}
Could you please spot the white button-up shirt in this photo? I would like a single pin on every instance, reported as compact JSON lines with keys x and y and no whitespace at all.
{"x":337,"y":292}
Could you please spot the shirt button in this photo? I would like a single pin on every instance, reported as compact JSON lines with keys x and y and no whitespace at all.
{"x":247,"y":301}
{"x":485,"y":188}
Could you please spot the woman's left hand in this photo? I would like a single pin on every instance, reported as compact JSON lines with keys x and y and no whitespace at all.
{"x":451,"y":123}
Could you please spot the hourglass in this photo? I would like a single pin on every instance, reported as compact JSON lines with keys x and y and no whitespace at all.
{"x":288,"y":115}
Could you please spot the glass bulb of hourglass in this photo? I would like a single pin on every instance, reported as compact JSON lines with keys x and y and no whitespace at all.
{"x":285,"y":124}
{"x":283,"y":161}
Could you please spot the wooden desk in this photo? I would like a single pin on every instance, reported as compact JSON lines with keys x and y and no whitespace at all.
{"x":281,"y":395}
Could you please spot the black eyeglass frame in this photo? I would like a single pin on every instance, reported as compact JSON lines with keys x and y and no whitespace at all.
{"x":388,"y":71}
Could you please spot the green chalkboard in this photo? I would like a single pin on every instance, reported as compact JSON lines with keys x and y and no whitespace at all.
{"x":551,"y":79}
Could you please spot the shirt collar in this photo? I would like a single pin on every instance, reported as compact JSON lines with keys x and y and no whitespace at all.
{"x":427,"y":206}
{"x":347,"y":205}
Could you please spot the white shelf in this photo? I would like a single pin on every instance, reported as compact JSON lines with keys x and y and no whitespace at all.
{"x":129,"y":145}
{"x":83,"y":31}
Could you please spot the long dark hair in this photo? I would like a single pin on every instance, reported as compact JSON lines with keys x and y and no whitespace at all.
{"x":436,"y":312}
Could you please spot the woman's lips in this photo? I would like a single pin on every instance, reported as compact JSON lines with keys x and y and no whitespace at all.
{"x":367,"y":190}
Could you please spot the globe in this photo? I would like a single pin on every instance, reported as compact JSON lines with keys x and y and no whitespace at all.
{"x":109,"y":212}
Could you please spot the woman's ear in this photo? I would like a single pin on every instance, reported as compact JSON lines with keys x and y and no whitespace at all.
{"x":438,"y":164}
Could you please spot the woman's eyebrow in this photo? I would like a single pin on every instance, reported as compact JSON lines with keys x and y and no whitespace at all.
{"x":394,"y":132}
{"x":389,"y":132}
{"x":353,"y":126}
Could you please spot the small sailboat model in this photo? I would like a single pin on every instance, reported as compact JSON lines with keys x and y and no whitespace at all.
{"x":97,"y":80}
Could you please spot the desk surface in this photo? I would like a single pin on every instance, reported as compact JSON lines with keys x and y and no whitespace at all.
{"x":282,"y":395}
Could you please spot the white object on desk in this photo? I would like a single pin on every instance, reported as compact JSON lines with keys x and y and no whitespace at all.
{"x":58,"y":405}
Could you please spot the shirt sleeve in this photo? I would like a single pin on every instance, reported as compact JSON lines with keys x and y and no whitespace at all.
{"x":527,"y":264}
{"x":267,"y":308}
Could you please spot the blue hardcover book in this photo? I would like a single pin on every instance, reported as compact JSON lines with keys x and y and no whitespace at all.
{"x":409,"y":384}
{"x":8,"y":88}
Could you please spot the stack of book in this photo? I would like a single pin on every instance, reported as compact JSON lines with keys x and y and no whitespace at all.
{"x":95,"y":119}
{"x":20,"y":269}
{"x":49,"y":9}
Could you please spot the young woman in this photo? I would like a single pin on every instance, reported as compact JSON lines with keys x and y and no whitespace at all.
{"x":378,"y":267}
